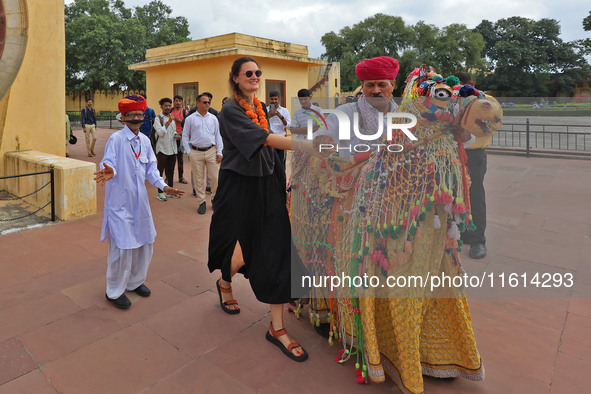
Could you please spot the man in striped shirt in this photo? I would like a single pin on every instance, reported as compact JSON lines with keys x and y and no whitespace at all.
{"x":299,"y":122}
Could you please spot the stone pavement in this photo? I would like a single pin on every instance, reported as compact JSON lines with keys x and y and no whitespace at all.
{"x":16,"y":214}
{"x":58,"y":334}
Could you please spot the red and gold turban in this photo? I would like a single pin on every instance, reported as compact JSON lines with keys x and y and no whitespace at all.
{"x":135,"y":102}
{"x":383,"y":67}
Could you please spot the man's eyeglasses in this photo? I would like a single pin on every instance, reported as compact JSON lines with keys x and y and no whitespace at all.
{"x":249,"y":73}
{"x":206,"y":102}
{"x":133,"y":116}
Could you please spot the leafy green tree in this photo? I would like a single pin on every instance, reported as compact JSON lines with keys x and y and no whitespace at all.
{"x":379,"y":35}
{"x":527,"y":58}
{"x":587,"y":27}
{"x":448,"y":49}
{"x":160,"y":27}
{"x":103,"y":37}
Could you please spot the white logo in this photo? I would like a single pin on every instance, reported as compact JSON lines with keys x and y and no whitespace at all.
{"x":344,"y":130}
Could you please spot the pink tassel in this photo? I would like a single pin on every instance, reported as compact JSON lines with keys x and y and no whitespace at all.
{"x":447,"y":198}
{"x":459,"y":208}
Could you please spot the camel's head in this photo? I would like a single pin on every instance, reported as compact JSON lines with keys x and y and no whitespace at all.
{"x":446,"y":100}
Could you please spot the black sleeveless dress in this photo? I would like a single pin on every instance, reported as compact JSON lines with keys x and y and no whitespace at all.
{"x":250,"y":208}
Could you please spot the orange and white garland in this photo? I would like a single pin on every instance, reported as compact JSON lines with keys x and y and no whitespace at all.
{"x":258,"y":117}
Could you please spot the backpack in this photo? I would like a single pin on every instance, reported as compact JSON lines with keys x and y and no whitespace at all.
{"x":185,"y":114}
{"x":153,"y":136}
{"x":85,"y":114}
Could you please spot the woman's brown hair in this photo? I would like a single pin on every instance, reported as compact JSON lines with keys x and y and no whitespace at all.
{"x":235,"y":71}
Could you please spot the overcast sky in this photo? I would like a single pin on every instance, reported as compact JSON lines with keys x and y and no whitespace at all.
{"x":306,"y":22}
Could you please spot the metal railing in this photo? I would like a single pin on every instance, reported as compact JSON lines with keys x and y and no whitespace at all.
{"x":530,"y":137}
{"x":51,"y":183}
{"x":107,"y":120}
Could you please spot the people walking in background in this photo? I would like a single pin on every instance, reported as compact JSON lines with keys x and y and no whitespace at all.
{"x":299,"y":122}
{"x":216,"y":114}
{"x":279,"y":119}
{"x":68,"y":133}
{"x":166,"y":146}
{"x":477,"y":168}
{"x":179,"y":114}
{"x":88,"y":122}
{"x":201,"y":138}
{"x":149,"y":116}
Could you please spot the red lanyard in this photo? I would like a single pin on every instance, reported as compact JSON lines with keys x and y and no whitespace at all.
{"x":137,"y":155}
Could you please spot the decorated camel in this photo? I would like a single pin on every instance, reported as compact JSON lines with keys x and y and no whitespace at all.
{"x":387,"y":215}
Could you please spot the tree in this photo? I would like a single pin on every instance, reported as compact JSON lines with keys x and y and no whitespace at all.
{"x":159,"y":30}
{"x":103,"y":37}
{"x":587,"y":27}
{"x":528,"y":59}
{"x":379,"y":35}
{"x":448,"y":49}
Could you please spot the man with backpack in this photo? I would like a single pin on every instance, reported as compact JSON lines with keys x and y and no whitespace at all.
{"x":88,"y":122}
{"x":179,"y":114}
{"x":146,"y":127}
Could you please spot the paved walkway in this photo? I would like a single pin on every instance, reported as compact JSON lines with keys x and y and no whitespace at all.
{"x":59,"y":335}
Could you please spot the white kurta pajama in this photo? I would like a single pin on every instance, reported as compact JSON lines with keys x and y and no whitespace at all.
{"x":128,"y":223}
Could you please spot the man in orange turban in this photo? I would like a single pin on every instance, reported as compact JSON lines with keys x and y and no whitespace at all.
{"x":128,"y":161}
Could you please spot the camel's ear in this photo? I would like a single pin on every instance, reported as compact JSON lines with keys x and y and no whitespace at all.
{"x":422,"y":74}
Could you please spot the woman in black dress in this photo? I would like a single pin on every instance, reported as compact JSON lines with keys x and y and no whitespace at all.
{"x":250,"y":230}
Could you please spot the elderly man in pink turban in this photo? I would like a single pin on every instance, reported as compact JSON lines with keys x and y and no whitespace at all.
{"x":128,"y":161}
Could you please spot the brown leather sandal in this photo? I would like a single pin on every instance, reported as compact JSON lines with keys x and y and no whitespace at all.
{"x":224,"y":305}
{"x":272,"y":336}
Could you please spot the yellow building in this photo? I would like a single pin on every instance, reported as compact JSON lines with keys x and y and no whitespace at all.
{"x":32,"y":108}
{"x":191,"y":68}
{"x":325,"y":84}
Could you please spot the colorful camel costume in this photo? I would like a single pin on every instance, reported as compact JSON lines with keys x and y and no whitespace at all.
{"x":396,"y":214}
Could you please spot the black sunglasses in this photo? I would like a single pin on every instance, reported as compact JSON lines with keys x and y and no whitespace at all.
{"x":205,"y":102}
{"x":249,"y":73}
